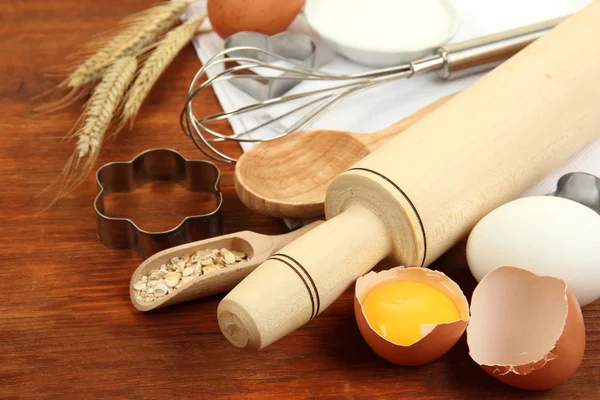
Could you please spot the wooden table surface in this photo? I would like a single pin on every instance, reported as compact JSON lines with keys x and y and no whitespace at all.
{"x":66,"y":323}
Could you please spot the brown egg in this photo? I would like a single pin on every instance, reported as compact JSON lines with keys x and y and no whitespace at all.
{"x":525,"y":330}
{"x":438,"y":339}
{"x":265,"y":16}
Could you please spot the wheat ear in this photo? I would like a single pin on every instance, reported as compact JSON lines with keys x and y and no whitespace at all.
{"x":139,"y":31}
{"x":94,"y":122}
{"x":159,"y":59}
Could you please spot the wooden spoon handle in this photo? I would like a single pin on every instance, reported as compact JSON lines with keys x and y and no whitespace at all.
{"x":259,"y":246}
{"x":281,"y":240}
{"x":376,"y":139}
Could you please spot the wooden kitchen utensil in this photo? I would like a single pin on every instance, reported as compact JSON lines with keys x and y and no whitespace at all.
{"x":288,"y":177}
{"x":256,"y":246}
{"x":423,"y":191}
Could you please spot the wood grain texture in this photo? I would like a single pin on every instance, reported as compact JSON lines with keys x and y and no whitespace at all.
{"x":257,"y":247}
{"x":276,"y":179}
{"x":303,"y":278}
{"x":67,"y":327}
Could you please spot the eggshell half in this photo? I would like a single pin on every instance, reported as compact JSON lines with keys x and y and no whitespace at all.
{"x":525,"y":330}
{"x":437,"y":339}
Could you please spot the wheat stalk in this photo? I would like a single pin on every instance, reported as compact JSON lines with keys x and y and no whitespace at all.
{"x":163,"y":54}
{"x":95,"y":121}
{"x":140,"y":31}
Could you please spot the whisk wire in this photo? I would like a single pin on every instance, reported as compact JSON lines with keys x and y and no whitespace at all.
{"x":246,"y":62}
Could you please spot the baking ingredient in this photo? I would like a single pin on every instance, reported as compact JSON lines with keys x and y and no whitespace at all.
{"x":139,"y":31}
{"x":397,"y":309}
{"x":547,"y":235}
{"x":383,"y":25}
{"x":437,"y":330}
{"x":180,"y":271}
{"x":135,"y":40}
{"x":265,"y":16}
{"x":100,"y":74}
{"x":525,"y":330}
{"x":163,"y":54}
{"x":94,"y":122}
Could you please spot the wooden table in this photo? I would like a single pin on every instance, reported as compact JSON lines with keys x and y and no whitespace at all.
{"x":66,"y":323}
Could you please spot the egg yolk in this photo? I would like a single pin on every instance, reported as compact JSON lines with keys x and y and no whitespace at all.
{"x":397,"y":309}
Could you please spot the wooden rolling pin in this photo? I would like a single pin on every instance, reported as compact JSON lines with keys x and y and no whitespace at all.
{"x":420,"y":193}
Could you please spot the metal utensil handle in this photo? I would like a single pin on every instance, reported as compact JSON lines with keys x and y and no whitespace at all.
{"x":485,"y":53}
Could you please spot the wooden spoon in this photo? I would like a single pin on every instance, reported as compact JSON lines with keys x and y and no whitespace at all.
{"x":288,"y":177}
{"x":256,"y":246}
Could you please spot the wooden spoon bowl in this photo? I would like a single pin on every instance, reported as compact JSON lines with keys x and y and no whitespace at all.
{"x":288,"y":177}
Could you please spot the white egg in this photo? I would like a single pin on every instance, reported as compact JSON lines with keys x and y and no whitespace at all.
{"x":545,"y":235}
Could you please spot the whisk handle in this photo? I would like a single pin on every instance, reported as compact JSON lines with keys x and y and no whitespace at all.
{"x":487,"y":52}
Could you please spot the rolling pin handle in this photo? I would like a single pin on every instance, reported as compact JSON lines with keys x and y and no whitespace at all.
{"x":303,"y":279}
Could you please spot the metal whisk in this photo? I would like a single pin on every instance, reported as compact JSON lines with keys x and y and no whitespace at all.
{"x":242,"y":62}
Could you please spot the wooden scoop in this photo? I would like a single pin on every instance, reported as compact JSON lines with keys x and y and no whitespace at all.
{"x":256,"y":246}
{"x":288,"y":177}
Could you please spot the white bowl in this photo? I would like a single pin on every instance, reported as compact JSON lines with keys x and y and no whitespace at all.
{"x":376,"y":55}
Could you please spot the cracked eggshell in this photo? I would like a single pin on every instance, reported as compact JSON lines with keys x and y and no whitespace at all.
{"x":437,"y":339}
{"x":526,"y":330}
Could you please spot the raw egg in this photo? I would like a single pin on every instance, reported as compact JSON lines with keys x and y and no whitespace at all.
{"x":265,"y":16}
{"x":547,"y":235}
{"x":525,"y":330}
{"x":410,"y":316}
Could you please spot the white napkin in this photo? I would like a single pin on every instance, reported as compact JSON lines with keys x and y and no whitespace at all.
{"x":383,"y":105}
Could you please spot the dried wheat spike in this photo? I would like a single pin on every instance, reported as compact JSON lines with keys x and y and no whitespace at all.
{"x":160,"y":58}
{"x":95,"y":121}
{"x":140,"y":31}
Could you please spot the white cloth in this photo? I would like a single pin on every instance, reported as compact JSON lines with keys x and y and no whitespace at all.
{"x":383,"y":105}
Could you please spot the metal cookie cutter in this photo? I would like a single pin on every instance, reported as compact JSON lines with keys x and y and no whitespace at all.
{"x":157,"y":165}
{"x":294,"y":46}
{"x":581,"y":187}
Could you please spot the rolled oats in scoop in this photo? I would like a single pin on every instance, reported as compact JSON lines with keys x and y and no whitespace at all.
{"x":181,"y":270}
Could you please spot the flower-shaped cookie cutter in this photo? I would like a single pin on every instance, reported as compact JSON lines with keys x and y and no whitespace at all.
{"x":157,"y":165}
